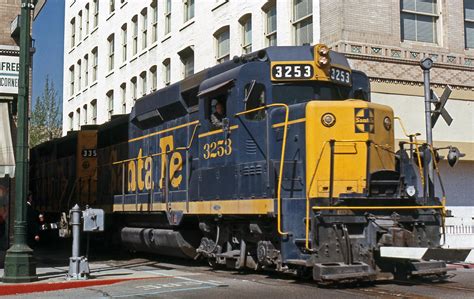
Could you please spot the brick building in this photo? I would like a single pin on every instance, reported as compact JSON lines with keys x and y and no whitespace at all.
{"x":9,"y":51}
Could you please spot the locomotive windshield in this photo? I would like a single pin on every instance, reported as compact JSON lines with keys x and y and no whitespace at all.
{"x":303,"y":91}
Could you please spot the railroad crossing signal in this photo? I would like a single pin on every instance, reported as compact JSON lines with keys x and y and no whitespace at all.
{"x":439,"y":106}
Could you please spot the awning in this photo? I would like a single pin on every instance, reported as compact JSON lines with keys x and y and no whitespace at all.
{"x":216,"y":88}
{"x":7,"y":158}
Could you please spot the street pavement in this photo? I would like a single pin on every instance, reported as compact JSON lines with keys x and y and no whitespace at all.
{"x":145,"y":276}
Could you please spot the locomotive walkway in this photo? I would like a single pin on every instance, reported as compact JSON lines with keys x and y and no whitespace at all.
{"x":124,"y":276}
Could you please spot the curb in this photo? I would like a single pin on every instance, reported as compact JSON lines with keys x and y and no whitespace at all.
{"x":25,"y":288}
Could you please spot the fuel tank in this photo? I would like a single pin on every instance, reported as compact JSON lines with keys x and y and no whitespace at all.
{"x":167,"y":242}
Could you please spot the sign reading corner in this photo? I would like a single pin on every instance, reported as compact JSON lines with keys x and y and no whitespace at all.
{"x":9,"y":69}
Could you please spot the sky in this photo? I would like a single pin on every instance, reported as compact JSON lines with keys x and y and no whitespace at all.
{"x":48,"y":35}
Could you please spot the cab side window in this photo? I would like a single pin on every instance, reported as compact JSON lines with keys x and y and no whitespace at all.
{"x":254,"y":98}
{"x":216,"y":111}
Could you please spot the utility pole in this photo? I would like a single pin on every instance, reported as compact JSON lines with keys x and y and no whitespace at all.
{"x":426,"y":64}
{"x":19,"y":263}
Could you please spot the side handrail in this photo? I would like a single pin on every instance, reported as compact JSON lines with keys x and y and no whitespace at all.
{"x":282,"y":157}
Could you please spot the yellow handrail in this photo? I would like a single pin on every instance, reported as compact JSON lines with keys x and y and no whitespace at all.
{"x":422,"y":177}
{"x":376,"y":207}
{"x":165,"y":152}
{"x":282,"y":158}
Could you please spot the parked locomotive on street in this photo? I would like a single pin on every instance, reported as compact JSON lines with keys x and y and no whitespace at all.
{"x":297,"y":171}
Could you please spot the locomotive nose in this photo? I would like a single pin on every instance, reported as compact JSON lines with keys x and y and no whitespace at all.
{"x":346,"y":141}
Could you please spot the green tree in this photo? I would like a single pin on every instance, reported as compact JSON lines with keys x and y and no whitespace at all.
{"x":45,"y":122}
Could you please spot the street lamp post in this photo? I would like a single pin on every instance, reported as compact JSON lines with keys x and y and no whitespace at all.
{"x":19,"y":263}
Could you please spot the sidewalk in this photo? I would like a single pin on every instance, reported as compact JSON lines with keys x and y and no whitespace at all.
{"x":53,"y":265}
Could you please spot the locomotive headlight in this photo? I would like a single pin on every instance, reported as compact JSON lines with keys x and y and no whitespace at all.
{"x":323,"y":50}
{"x":387,"y":123}
{"x":323,"y":61}
{"x":328,"y":120}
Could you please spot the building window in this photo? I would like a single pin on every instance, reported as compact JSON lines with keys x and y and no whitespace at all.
{"x":144,"y":28}
{"x":86,"y":12}
{"x":73,"y":32}
{"x":166,"y":71}
{"x":270,"y":23}
{"x":469,"y":23}
{"x":70,"y":121}
{"x":133,"y":84}
{"x":94,"y":64}
{"x":94,"y":112}
{"x":124,"y":42}
{"x":187,"y":60}
{"x":223,"y":44}
{"x":111,"y":6}
{"x":86,"y":70}
{"x":154,"y":22}
{"x":154,"y":78}
{"x":85,"y":114}
{"x":188,"y":10}
{"x":71,"y":80}
{"x":144,"y":83}
{"x":79,"y":21}
{"x":123,"y":88}
{"x":167,"y":16}
{"x":246,"y":28}
{"x":110,"y":101}
{"x":78,"y":118}
{"x":79,"y":74}
{"x":303,"y":22}
{"x":418,"y":20}
{"x":135,"y":35}
{"x":96,"y":12}
{"x":110,"y":40}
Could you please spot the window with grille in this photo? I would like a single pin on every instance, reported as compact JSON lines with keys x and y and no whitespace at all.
{"x":419,"y":20}
{"x":469,"y":23}
{"x":85,"y":114}
{"x":222,"y":37}
{"x":154,"y":78}
{"x":111,"y":6}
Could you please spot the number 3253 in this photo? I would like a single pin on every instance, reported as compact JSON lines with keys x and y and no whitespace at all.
{"x":217,"y":149}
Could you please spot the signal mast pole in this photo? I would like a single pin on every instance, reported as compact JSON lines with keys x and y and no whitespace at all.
{"x":426,"y":64}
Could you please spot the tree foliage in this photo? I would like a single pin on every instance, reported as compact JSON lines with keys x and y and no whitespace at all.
{"x":45,"y":122}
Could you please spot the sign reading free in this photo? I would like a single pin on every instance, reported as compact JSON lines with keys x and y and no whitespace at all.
{"x":9,"y":69}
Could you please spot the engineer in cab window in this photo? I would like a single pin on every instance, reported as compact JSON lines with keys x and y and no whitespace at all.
{"x":218,"y":116}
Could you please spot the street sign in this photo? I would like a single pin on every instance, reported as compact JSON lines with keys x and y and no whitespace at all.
{"x":38,"y":7}
{"x":439,"y":106}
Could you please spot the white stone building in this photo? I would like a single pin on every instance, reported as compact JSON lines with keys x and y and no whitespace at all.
{"x":116,"y":51}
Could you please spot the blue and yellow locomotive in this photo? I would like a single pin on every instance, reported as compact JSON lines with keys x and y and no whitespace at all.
{"x":277,"y":160}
